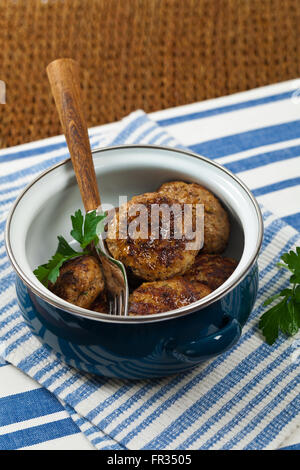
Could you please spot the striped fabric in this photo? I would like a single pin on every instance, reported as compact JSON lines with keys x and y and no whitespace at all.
{"x":247,"y":398}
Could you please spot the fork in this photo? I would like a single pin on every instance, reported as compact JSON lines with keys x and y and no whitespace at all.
{"x":63,"y":75}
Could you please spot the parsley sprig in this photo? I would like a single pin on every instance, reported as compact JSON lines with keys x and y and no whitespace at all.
{"x":285,"y":315}
{"x":85,"y":230}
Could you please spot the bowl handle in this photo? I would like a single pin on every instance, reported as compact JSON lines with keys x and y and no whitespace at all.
{"x":209,"y":346}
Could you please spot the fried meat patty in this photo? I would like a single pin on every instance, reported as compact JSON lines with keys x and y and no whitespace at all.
{"x":153,"y":253}
{"x":80,"y":281}
{"x":100,"y":304}
{"x":163,"y":296}
{"x":212,"y":270}
{"x":216,"y":222}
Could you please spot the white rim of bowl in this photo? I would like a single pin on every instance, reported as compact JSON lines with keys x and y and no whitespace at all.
{"x":91,"y":315}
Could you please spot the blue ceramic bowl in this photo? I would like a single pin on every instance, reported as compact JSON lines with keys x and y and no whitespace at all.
{"x":133,"y":347}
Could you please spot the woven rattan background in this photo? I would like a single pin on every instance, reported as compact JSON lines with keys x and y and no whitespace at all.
{"x":149,"y":54}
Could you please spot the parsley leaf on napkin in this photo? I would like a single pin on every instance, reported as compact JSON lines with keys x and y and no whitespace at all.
{"x":85,"y":230}
{"x":285,"y":315}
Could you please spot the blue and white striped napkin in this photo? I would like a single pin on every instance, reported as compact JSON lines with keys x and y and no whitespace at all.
{"x":248,"y":398}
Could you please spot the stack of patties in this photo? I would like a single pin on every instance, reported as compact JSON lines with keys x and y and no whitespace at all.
{"x":175,"y":276}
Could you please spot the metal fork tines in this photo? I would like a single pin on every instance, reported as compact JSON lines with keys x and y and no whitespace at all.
{"x":116,"y":281}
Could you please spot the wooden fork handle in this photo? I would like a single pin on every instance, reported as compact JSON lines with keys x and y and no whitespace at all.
{"x":63,"y":76}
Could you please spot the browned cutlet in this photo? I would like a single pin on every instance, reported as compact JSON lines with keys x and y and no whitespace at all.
{"x":216,"y":222}
{"x":212,"y":270}
{"x":80,"y":281}
{"x":100,"y":304}
{"x":163,"y":296}
{"x":149,"y":257}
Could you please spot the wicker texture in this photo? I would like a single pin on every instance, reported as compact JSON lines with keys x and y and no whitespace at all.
{"x":149,"y":54}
